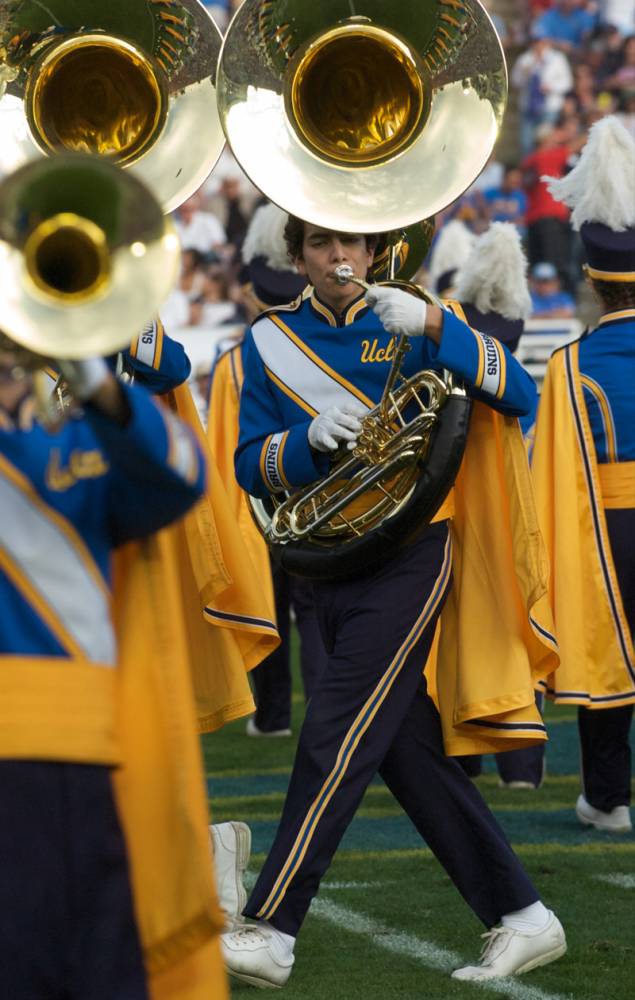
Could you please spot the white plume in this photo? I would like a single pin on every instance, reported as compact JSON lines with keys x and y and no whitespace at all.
{"x":452,"y":247}
{"x":265,"y":238}
{"x":494,"y":277}
{"x":601,"y":186}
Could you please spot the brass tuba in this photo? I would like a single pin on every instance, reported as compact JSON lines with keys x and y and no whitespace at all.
{"x":130,"y":80}
{"x":86,"y":256}
{"x":366,"y":118}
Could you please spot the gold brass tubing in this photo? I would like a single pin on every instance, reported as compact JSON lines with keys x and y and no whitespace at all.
{"x":67,"y":258}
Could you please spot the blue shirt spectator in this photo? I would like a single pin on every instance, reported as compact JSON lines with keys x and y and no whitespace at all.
{"x":547,"y":298}
{"x":507,"y":202}
{"x":567,"y":24}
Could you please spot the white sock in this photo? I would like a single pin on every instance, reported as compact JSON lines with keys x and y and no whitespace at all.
{"x":529,"y":920}
{"x":285,"y":941}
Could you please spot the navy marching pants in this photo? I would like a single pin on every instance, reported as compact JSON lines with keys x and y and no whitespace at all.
{"x":67,"y":927}
{"x":604,"y":733}
{"x":370,"y":712}
{"x":272,"y":677}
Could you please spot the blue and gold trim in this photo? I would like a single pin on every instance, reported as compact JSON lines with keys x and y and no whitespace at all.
{"x":618,"y":316}
{"x":594,"y":272}
{"x":353,"y":737}
{"x":147,"y":347}
{"x":271,"y":462}
{"x":585,"y":443}
{"x":226,"y":619}
{"x":492,"y":366}
{"x":606,"y":414}
{"x":325,"y":312}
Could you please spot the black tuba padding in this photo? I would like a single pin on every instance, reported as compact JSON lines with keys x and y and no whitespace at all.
{"x":439,"y":470}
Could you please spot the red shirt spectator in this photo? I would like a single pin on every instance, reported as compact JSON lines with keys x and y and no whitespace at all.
{"x":549,"y":160}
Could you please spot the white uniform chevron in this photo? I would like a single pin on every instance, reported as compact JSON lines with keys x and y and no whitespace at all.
{"x":293,"y":367}
{"x":57,"y":572}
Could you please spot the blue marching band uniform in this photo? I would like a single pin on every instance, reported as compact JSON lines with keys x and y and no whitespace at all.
{"x":370,"y":711}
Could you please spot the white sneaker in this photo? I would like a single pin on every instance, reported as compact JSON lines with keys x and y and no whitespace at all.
{"x":517,"y":783}
{"x":618,"y":820}
{"x":508,"y":952}
{"x":252,"y":730}
{"x":254,"y":954}
{"x":230,"y":844}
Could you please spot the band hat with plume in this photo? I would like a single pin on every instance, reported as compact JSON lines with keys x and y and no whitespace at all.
{"x":600,"y":191}
{"x":450,"y":250}
{"x":494,"y":276}
{"x":267,"y":266}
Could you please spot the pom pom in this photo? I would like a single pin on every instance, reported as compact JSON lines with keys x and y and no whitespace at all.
{"x":494,"y":277}
{"x":265,"y":238}
{"x":601,"y":186}
{"x":450,"y":250}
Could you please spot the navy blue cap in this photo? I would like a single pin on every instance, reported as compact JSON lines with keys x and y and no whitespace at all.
{"x":508,"y":331}
{"x":610,"y":255}
{"x":272,"y":287}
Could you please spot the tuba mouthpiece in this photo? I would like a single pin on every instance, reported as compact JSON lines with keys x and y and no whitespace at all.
{"x":344,"y":273}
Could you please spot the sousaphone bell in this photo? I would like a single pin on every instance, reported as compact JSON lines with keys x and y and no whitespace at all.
{"x":130,"y":80}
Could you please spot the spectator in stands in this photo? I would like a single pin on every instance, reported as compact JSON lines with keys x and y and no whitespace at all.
{"x":197,"y":228}
{"x":548,"y":300}
{"x":548,"y":232}
{"x":507,"y":202}
{"x":624,"y":76}
{"x":567,"y":24}
{"x":542,"y":76}
{"x":192,"y":280}
{"x":215,"y":307}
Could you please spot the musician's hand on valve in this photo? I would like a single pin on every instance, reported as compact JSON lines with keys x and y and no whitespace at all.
{"x":400,"y":312}
{"x":337,"y":424}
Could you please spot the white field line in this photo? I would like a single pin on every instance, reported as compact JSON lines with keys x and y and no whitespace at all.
{"x":622,"y":881}
{"x":410,"y":946}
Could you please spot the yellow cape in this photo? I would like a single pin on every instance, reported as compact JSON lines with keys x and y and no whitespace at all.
{"x":496,"y":638}
{"x":598,"y":661}
{"x":160,"y":787}
{"x":222,"y":589}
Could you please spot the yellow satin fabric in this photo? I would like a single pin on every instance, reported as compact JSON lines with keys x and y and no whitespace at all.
{"x":160,"y":787}
{"x":217,"y":574}
{"x":592,"y":661}
{"x":490,"y":656}
{"x":617,"y":483}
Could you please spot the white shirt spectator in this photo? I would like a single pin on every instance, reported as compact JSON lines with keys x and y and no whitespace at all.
{"x":203,"y":232}
{"x":553,"y":71}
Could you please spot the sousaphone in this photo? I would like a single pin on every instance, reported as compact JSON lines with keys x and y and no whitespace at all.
{"x":133,"y":81}
{"x":367,"y":117}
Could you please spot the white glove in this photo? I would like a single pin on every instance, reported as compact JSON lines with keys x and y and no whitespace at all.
{"x":337,"y":424}
{"x":400,"y":312}
{"x":84,"y":378}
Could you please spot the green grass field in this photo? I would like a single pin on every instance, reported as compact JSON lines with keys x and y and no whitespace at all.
{"x":389,"y":924}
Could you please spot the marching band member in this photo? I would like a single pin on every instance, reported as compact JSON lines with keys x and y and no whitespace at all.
{"x":311,"y":372}
{"x":584,"y":471}
{"x":96,"y":703}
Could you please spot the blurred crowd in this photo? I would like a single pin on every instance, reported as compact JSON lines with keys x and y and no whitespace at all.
{"x":571,"y":62}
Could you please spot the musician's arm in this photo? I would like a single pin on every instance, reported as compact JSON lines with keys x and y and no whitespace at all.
{"x":156,"y":361}
{"x":490,"y":371}
{"x":271,"y":456}
{"x":157,"y":470}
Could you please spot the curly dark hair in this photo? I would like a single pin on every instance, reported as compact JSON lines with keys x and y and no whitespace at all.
{"x":615,"y":295}
{"x":294,"y":238}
